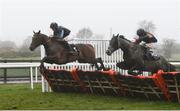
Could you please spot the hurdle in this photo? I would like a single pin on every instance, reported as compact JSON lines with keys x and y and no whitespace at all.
{"x":163,"y":86}
{"x":81,"y":78}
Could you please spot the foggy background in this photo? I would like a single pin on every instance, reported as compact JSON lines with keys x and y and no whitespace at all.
{"x":98,"y":18}
{"x":20,"y":17}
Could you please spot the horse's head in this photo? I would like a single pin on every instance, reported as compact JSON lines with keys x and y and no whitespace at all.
{"x":113,"y":44}
{"x":117,"y":41}
{"x":36,"y":40}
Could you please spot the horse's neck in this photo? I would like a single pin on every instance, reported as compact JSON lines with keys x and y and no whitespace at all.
{"x":124,"y":45}
{"x":52,"y":46}
{"x":46,"y":42}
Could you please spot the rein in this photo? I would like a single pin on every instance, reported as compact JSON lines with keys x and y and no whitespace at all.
{"x":46,"y":42}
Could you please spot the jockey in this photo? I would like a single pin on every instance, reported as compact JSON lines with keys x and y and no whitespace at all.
{"x":147,"y":38}
{"x":60,"y":33}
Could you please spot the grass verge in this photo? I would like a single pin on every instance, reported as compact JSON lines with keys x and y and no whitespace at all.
{"x":20,"y":96}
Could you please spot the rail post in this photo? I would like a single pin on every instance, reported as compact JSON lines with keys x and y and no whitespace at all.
{"x":5,"y":73}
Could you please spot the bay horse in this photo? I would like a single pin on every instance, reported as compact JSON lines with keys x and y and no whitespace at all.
{"x":58,"y":53}
{"x":133,"y":55}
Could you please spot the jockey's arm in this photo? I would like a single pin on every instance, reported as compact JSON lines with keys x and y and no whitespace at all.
{"x":139,"y":40}
{"x":50,"y":35}
{"x":151,"y":36}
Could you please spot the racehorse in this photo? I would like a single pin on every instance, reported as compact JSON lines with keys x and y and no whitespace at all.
{"x":133,"y":55}
{"x":57,"y":52}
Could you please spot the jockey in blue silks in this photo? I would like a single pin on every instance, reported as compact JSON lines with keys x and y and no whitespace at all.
{"x":60,"y":33}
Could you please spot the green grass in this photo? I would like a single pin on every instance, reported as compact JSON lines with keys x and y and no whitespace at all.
{"x":20,"y":96}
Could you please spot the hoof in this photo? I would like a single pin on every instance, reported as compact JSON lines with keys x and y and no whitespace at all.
{"x":118,"y":64}
{"x":133,"y":73}
{"x":106,"y":69}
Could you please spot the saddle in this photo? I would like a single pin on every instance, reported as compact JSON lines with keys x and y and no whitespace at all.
{"x":71,"y":47}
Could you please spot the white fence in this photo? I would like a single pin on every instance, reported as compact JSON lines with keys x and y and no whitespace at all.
{"x":100,"y":48}
{"x":31,"y":66}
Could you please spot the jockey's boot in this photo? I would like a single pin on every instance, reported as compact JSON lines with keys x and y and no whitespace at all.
{"x":150,"y":55}
{"x":72,"y":51}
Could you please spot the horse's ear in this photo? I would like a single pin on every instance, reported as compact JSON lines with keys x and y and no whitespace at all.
{"x":113,"y":35}
{"x":33,"y":32}
{"x":117,"y":35}
{"x":39,"y":32}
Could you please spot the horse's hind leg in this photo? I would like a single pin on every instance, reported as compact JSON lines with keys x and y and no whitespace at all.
{"x":99,"y":60}
{"x":97,"y":67}
{"x":93,"y":62}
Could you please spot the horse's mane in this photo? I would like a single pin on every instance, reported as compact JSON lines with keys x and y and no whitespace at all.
{"x":125,"y":38}
{"x":44,"y":35}
{"x":63,"y":42}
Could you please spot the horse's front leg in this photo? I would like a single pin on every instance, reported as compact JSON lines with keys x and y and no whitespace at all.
{"x":127,"y":66}
{"x":48,"y":59}
{"x":42,"y":62}
{"x":123,"y":65}
{"x":131,"y":70}
{"x":99,"y":60}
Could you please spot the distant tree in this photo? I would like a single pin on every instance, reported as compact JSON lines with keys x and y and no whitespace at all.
{"x":24,"y":49}
{"x":7,"y":49}
{"x":8,"y":44}
{"x":167,"y":47}
{"x":98,"y":36}
{"x":84,"y":33}
{"x":25,"y":46}
{"x":148,"y":26}
{"x":9,"y":54}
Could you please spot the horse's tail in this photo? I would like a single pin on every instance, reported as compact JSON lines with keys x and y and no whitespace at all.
{"x":171,"y":67}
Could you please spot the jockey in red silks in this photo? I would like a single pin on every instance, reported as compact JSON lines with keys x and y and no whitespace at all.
{"x":147,"y":38}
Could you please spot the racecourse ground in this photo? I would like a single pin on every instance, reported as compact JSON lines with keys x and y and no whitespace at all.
{"x":20,"y":96}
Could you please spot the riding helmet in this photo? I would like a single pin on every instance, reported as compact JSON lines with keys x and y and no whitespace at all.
{"x":53,"y":25}
{"x":141,"y":32}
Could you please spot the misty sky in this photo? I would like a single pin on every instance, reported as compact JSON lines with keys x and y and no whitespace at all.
{"x":18,"y":18}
